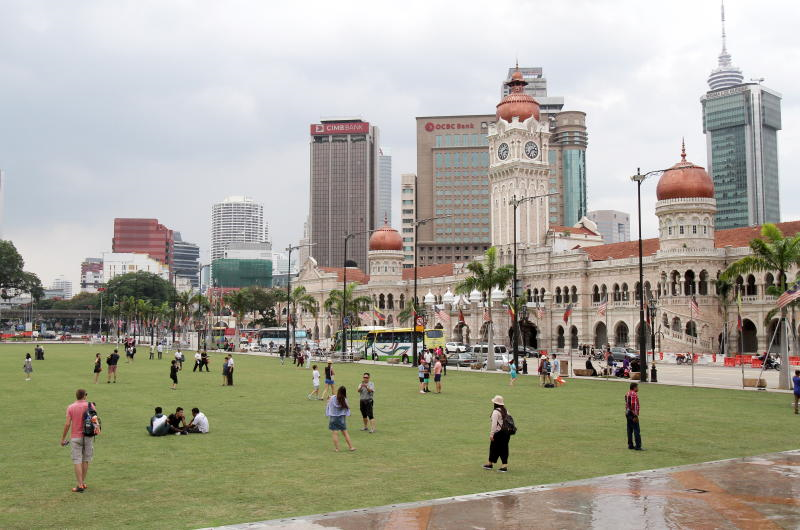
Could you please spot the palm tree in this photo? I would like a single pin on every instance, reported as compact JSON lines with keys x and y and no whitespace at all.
{"x":347,"y":303}
{"x":240,"y":303}
{"x":202,"y":305}
{"x":775,"y":253}
{"x":725,"y":291}
{"x":486,"y":275}
{"x":299,"y":297}
{"x":408,"y":311}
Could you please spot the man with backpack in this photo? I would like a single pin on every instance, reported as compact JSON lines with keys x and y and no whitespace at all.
{"x":82,"y":425}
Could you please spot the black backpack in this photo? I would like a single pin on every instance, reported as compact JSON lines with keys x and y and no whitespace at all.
{"x":509,"y":426}
{"x":91,"y":421}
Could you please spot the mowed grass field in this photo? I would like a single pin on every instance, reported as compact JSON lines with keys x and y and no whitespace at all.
{"x":269,"y":453}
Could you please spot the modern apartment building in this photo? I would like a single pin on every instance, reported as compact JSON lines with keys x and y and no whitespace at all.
{"x":567,"y":154}
{"x":408,"y":190}
{"x":452,"y":182}
{"x":117,"y":263}
{"x":143,"y":236}
{"x":91,"y":274}
{"x":741,"y":123}
{"x":236,"y":219}
{"x":186,"y":261}
{"x":344,"y":167}
{"x":62,"y":285}
{"x":383,"y":210}
{"x":613,"y":225}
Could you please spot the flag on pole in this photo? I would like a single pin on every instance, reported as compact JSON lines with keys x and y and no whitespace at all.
{"x":461,"y":316}
{"x":647,"y":313}
{"x":510,"y":311}
{"x":486,"y":316}
{"x":693,"y":306}
{"x":380,"y":316}
{"x":364,"y":316}
{"x":603,"y":307}
{"x":539,"y":312}
{"x":567,"y":313}
{"x":441,"y":315}
{"x":789,"y":296}
{"x":739,"y":311}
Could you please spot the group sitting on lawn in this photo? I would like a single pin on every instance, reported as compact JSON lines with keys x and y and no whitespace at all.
{"x":161,"y":425}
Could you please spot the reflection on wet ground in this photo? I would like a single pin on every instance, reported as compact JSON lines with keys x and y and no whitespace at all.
{"x":755,"y":492}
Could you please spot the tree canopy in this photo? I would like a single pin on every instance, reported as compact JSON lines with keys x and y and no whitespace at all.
{"x":140,"y":285}
{"x":13,"y":279}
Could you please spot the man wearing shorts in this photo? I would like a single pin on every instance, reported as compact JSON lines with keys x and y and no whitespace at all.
{"x":112,"y":361}
{"x":82,"y":446}
{"x":365,"y":391}
{"x":421,"y":373}
{"x":796,"y":384}
{"x":437,"y":375}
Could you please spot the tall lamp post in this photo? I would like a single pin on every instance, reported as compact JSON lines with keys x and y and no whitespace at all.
{"x":638,"y":178}
{"x":347,"y":237}
{"x":416,"y":266}
{"x":515,"y":202}
{"x":289,"y":249}
{"x":651,"y":307}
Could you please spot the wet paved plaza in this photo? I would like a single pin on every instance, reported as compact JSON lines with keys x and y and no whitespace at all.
{"x":760,"y":492}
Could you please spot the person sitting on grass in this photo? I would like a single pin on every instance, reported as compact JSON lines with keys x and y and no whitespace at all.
{"x":177,"y":422}
{"x":590,"y":367}
{"x":158,"y":424}
{"x":199,"y":423}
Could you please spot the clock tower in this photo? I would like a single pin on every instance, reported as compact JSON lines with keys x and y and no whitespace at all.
{"x":518,"y":167}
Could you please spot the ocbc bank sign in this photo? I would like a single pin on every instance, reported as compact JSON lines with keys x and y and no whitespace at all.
{"x":430,"y":126}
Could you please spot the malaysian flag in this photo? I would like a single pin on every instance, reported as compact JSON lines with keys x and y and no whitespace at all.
{"x":567,"y":313}
{"x":739,"y":311}
{"x":540,"y":313}
{"x":789,"y":296}
{"x":510,"y":311}
{"x":601,"y":309}
{"x":486,"y":316}
{"x":693,"y":307}
{"x":441,"y":315}
{"x":380,"y":316}
{"x":460,"y":316}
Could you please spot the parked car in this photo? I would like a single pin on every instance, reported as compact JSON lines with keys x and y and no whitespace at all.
{"x":480,"y":350}
{"x":529,"y":351}
{"x":462,"y":359}
{"x":501,"y":360}
{"x":455,"y":347}
{"x":619,"y":353}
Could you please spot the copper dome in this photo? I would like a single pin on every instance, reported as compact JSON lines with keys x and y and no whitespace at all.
{"x":386,"y":238}
{"x":684,"y":180}
{"x":517,"y":102}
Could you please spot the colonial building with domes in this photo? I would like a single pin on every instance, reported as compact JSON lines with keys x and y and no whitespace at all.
{"x":562,"y":266}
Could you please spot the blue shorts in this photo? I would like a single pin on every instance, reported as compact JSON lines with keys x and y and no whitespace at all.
{"x":437,"y":378}
{"x":329,"y":381}
{"x":337,"y":423}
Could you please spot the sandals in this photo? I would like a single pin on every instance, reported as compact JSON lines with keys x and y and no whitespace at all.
{"x":77,"y":489}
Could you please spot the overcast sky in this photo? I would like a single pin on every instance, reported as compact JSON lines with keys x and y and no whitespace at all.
{"x":160,"y":108}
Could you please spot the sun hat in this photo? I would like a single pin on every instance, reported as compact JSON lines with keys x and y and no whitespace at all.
{"x":330,"y":361}
{"x":498,"y":400}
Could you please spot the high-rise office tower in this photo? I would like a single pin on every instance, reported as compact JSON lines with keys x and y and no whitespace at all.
{"x":614,"y":226}
{"x":63,"y":285}
{"x":408,"y":190}
{"x":2,"y":190}
{"x":143,"y":236}
{"x":452,"y":180}
{"x":383,"y":210}
{"x":344,"y":166}
{"x":741,"y":122}
{"x":567,"y":153}
{"x":236,"y":219}
{"x":186,"y":260}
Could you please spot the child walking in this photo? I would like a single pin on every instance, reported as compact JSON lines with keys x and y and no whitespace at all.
{"x":173,"y":373}
{"x":315,"y":382}
{"x":27,"y":367}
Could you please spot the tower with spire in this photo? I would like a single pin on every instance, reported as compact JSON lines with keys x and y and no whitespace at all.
{"x":725,"y":75}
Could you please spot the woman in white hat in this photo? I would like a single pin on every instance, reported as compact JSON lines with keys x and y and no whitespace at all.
{"x":498,"y":437}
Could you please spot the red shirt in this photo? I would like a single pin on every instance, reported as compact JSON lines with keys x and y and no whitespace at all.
{"x":632,"y":402}
{"x":75,"y":414}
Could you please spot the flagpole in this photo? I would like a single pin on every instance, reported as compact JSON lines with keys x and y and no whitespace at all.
{"x":691,"y":319}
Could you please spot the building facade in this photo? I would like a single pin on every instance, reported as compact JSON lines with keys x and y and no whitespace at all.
{"x":237,"y":219}
{"x":741,"y":123}
{"x":613,"y":225}
{"x":117,"y":263}
{"x":63,"y":286}
{"x":186,"y":261}
{"x":408,"y":215}
{"x":143,"y":236}
{"x":383,"y":209}
{"x":91,"y":275}
{"x":343,"y":199}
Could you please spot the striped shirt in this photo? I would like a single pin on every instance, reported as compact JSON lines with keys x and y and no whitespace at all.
{"x":632,"y":402}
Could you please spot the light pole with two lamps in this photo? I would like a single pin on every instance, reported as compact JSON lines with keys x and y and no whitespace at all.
{"x":347,"y":237}
{"x":289,"y":317}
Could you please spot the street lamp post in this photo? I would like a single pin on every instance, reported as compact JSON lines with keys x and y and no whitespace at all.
{"x":347,"y":237}
{"x":416,"y":266}
{"x":651,"y":307}
{"x":289,"y":289}
{"x":515,"y":324}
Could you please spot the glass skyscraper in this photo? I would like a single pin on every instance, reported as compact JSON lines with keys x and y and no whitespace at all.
{"x":741,"y":122}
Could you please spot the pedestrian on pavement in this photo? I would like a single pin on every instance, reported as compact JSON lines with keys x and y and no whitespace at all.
{"x":365,"y":391}
{"x":796,"y":382}
{"x":337,"y":411}
{"x":498,"y":437}
{"x":632,"y":417}
{"x":98,"y":367}
{"x":82,"y":446}
{"x":27,"y":367}
{"x":512,"y":371}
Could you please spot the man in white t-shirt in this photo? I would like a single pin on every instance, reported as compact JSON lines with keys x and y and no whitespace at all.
{"x":428,"y":357}
{"x":160,"y":350}
{"x":315,"y":382}
{"x":230,"y":370}
{"x":199,"y":423}
{"x":197,"y":364}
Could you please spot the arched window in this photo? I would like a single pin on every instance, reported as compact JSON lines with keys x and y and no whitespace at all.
{"x":691,"y":328}
{"x":595,"y":294}
{"x":382,"y":302}
{"x":617,"y":294}
{"x":574,"y":294}
{"x":390,"y":301}
{"x":621,"y":334}
{"x":558,"y":295}
{"x":689,"y":285}
{"x":530,"y":298}
{"x":676,"y":324}
{"x":402,"y":301}
{"x":573,"y":337}
{"x":603,"y":292}
{"x":751,"y":285}
{"x":674,"y":283}
{"x":739,"y":286}
{"x":703,"y":285}
{"x":536,"y":295}
{"x":665,"y":321}
{"x":769,"y":281}
{"x":560,"y":337}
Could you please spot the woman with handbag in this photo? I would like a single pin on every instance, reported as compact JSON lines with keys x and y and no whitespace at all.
{"x":337,"y":411}
{"x":498,"y":436}
{"x":98,"y":367}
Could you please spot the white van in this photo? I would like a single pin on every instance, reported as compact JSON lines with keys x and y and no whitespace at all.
{"x":480,"y":350}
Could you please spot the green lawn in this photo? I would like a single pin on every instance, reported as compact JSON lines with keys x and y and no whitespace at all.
{"x":269,"y":453}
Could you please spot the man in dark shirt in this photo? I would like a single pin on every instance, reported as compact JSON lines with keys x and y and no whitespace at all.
{"x":112,"y":361}
{"x":177,"y":422}
{"x":632,"y":417}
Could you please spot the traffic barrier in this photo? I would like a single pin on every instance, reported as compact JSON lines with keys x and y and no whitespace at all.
{"x":794,"y":361}
{"x":756,"y":363}
{"x":730,"y":361}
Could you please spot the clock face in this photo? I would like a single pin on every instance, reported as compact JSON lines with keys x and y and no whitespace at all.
{"x":502,"y":151}
{"x":531,"y":149}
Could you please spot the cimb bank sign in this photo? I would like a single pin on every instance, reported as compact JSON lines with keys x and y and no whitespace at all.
{"x":358,"y":127}
{"x":430,"y":126}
